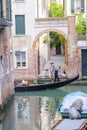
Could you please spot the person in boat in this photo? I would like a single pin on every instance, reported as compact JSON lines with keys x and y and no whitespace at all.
{"x":64,"y":73}
{"x":54,"y":71}
{"x":61,"y":72}
{"x":25,"y":82}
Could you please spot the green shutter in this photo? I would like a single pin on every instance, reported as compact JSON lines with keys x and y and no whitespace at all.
{"x":1,"y":9}
{"x":20,"y":24}
{"x":82,"y":6}
{"x":72,"y":6}
{"x":10,"y":11}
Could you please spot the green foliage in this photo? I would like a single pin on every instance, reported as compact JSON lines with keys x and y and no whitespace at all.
{"x":46,"y":39}
{"x":81,"y":25}
{"x":56,"y":39}
{"x":56,"y":10}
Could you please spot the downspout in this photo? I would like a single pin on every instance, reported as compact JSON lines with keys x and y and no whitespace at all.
{"x":37,"y":10}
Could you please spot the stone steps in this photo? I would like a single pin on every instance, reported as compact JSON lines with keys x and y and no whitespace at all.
{"x":42,"y":80}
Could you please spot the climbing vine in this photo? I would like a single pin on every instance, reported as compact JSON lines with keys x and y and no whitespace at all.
{"x":81,"y":25}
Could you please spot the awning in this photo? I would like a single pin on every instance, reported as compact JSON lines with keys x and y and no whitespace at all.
{"x":4,"y":22}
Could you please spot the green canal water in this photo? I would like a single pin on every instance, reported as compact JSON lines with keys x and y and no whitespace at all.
{"x":36,"y":110}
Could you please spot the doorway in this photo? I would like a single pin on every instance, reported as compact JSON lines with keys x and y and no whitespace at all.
{"x":58,"y":49}
{"x":84,"y":62}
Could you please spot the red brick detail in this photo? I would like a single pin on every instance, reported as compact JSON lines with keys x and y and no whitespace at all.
{"x":71,"y":25}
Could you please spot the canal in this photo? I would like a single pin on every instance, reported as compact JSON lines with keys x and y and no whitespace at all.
{"x":36,"y":110}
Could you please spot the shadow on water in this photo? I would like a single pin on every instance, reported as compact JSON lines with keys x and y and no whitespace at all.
{"x":48,"y":93}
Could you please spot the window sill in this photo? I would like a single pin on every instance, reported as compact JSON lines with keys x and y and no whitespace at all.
{"x":18,"y":1}
{"x":24,"y":35}
{"x":21,"y":68}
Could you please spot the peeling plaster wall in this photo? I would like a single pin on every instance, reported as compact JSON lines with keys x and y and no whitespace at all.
{"x":6,"y":71}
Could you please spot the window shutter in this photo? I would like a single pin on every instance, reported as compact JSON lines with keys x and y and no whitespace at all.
{"x":1,"y":10}
{"x":8,"y":7}
{"x":72,"y":6}
{"x":20,"y":24}
{"x":82,"y":6}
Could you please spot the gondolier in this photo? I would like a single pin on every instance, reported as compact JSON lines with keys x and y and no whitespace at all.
{"x":54,"y":71}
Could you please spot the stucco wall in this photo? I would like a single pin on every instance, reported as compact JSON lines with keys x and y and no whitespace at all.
{"x":6,"y":71}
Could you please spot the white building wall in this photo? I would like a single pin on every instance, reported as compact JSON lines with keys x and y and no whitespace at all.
{"x":27,"y":8}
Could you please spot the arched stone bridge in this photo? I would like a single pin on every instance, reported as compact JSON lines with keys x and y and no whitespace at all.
{"x":64,"y":26}
{"x":44,"y":25}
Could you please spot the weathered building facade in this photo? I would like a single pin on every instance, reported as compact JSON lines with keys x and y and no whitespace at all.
{"x":6,"y":69}
{"x":30,"y":23}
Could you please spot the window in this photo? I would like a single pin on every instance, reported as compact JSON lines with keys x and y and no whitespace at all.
{"x":77,"y":6}
{"x":20,"y":24}
{"x":20,"y":59}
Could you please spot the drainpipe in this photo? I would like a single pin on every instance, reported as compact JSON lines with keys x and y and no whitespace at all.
{"x":37,"y":9}
{"x":38,"y":57}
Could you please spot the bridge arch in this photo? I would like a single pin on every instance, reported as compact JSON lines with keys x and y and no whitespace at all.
{"x":36,"y":44}
{"x":48,"y":30}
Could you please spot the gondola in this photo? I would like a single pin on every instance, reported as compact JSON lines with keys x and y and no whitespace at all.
{"x":38,"y":87}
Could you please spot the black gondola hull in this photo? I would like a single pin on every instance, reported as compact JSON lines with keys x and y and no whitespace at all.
{"x":22,"y":88}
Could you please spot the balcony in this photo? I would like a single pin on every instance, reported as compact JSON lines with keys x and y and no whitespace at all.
{"x":4,"y":22}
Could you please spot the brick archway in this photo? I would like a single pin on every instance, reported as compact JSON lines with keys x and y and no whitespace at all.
{"x":54,"y":30}
{"x":36,"y":43}
{"x":45,"y":31}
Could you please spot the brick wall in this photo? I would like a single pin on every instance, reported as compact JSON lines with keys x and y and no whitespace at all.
{"x":74,"y":55}
{"x":32,"y":70}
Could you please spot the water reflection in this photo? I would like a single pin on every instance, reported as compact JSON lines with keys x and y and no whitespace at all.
{"x":36,"y":113}
{"x":31,"y":113}
{"x":8,"y":122}
{"x":36,"y":110}
{"x":27,"y":113}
